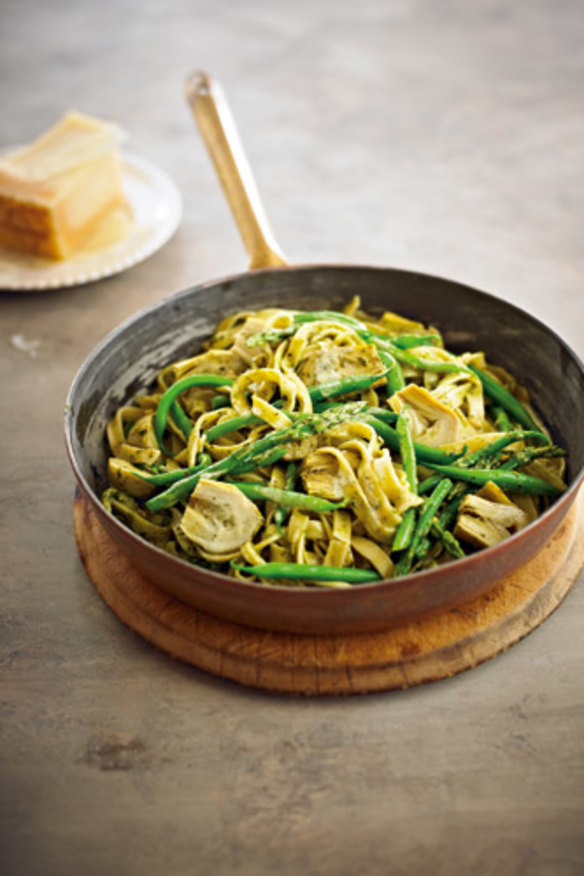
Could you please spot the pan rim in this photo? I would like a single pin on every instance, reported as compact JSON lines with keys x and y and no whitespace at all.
{"x":219,"y":578}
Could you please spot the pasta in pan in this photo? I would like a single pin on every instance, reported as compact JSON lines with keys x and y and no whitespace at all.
{"x":329,"y":449}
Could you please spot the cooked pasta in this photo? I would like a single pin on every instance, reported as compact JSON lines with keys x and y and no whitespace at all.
{"x":329,"y":449}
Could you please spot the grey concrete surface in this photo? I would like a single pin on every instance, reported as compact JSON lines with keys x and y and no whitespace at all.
{"x":441,"y":136}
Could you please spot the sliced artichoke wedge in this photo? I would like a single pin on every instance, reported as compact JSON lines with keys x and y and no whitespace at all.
{"x":219,"y":518}
{"x":322,"y":476}
{"x":334,"y":363}
{"x":432,"y":423}
{"x":488,"y":517}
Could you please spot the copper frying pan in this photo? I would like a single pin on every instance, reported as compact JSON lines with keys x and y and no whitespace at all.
{"x":128,"y":359}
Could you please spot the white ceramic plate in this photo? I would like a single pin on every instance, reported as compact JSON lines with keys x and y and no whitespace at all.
{"x":153,"y":215}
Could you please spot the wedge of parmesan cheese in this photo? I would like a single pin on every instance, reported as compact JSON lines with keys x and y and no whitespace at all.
{"x":56,"y":191}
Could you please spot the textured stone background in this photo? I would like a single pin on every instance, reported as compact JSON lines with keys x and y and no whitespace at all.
{"x":440,"y":136}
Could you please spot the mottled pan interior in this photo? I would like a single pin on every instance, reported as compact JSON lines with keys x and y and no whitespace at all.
{"x":470,"y":320}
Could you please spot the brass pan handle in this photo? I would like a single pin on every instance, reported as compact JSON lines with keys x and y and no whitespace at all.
{"x":219,"y":133}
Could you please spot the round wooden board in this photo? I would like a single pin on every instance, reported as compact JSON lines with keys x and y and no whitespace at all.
{"x":425,"y":650}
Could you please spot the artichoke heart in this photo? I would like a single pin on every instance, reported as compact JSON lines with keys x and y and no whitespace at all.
{"x":488,"y":517}
{"x":219,"y":518}
{"x":432,"y":423}
{"x":322,"y":476}
{"x":325,"y":363}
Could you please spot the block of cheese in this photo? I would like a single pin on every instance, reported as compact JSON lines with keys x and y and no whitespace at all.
{"x":55,"y":192}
